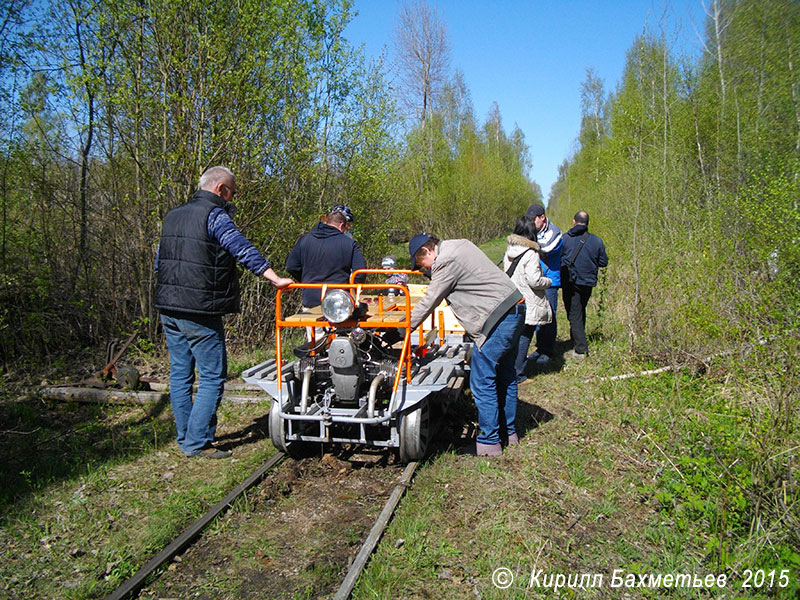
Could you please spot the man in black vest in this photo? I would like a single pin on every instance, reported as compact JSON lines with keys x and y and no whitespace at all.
{"x":198,"y":283}
{"x":582,"y":256}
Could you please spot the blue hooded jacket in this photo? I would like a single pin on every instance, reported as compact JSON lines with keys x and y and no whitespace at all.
{"x":591,"y":257}
{"x":324,"y":255}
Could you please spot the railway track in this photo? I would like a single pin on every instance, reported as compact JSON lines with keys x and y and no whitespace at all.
{"x":291,"y":518}
{"x":361,"y":387}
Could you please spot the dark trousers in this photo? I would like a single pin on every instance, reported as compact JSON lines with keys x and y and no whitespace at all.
{"x":546,"y":334}
{"x":576,"y":297}
{"x":522,"y":353}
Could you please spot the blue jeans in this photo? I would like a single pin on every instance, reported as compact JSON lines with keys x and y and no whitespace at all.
{"x":196,"y":342}
{"x":493,"y":379}
{"x":546,"y":334}
{"x":522,"y":354}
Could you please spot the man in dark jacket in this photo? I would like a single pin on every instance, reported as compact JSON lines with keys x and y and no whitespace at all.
{"x":326,"y":254}
{"x":197,"y":283}
{"x":582,"y":255}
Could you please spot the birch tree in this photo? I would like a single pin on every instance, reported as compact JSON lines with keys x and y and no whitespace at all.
{"x":423,"y":56}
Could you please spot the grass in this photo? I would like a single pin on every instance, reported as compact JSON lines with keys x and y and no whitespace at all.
{"x":683,"y":472}
{"x":495,"y":249}
{"x":573,"y":500}
{"x":78,"y":532}
{"x":71,"y":439}
{"x":674,"y":473}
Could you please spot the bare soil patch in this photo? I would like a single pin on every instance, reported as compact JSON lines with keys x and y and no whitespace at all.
{"x":295,"y":534}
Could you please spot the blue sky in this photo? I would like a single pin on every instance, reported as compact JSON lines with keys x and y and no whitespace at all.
{"x":531,"y":56}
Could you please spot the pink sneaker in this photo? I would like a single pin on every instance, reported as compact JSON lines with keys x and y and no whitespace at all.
{"x":479,"y":449}
{"x":513,"y":439}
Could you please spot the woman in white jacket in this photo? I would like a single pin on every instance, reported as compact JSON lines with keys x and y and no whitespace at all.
{"x":530,"y":280}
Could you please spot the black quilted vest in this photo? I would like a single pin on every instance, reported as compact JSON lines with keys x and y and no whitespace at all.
{"x":195,"y":274}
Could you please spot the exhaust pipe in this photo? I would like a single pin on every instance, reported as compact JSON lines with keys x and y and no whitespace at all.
{"x":373,"y":392}
{"x":307,"y":372}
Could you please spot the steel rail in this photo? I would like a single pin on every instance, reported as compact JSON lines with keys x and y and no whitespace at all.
{"x":185,"y":538}
{"x":375,"y":534}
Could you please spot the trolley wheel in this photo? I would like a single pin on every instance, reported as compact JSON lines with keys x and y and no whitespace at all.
{"x":415,"y":429}
{"x":277,"y":435}
{"x":277,"y":431}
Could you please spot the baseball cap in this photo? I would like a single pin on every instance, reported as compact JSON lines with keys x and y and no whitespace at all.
{"x":417,"y":242}
{"x":345,"y":210}
{"x":534,"y":210}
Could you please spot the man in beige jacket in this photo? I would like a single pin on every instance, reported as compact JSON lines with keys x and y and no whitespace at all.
{"x":490,"y":308}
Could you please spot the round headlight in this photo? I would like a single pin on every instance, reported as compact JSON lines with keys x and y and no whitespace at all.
{"x":337,"y":306}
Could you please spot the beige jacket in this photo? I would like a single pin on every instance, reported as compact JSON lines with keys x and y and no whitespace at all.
{"x":477,"y":291}
{"x":529,"y":279}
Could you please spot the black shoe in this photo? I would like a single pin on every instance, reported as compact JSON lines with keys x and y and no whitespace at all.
{"x":212,"y":452}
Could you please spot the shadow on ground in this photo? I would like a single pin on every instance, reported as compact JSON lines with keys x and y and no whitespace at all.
{"x":559,"y":358}
{"x":42,"y":442}
{"x":459,"y":427}
{"x":256,"y":432}
{"x":531,"y":416}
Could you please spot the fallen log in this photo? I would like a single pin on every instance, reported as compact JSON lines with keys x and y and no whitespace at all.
{"x":639,"y":374}
{"x":232,"y":386}
{"x":114,"y":396}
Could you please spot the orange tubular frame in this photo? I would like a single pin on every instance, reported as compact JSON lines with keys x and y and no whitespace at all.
{"x":372,"y":322}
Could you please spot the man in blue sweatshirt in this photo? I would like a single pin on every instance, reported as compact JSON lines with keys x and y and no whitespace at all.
{"x":197,"y":283}
{"x":326,"y":254}
{"x":584,"y":254}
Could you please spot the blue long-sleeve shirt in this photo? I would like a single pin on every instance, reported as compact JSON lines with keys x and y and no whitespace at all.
{"x":222,"y":229}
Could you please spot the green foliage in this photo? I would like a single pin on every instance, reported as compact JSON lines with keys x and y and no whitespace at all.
{"x":461,"y":181}
{"x":111,"y":118}
{"x":690,"y":175}
{"x":285,"y":102}
{"x":728,"y":482}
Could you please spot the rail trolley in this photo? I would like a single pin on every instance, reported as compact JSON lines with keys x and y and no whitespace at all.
{"x":362,"y":376}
